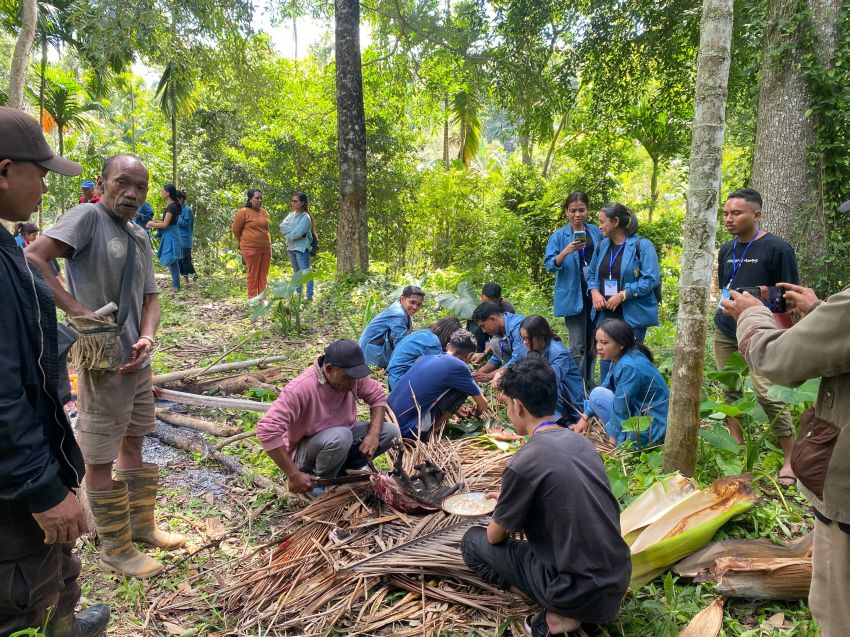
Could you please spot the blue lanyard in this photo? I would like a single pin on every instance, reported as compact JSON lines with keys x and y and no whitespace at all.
{"x":736,"y":263}
{"x":612,"y":257}
{"x":543,"y":424}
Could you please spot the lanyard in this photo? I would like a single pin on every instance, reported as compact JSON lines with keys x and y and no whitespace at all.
{"x":736,"y":263}
{"x":543,"y":424}
{"x":612,"y":257}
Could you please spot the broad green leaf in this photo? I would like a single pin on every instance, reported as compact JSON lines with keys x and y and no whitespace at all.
{"x":637,"y":423}
{"x":805,"y":393}
{"x":720,"y":438}
{"x":728,"y":378}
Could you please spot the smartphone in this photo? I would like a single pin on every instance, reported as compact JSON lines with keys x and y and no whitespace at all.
{"x":772,"y":297}
{"x":580,"y":236}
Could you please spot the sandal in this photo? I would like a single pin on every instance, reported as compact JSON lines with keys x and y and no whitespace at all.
{"x":786,"y":477}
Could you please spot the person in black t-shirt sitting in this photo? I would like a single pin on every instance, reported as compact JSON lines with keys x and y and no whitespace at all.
{"x":574,"y":563}
{"x":752,"y":258}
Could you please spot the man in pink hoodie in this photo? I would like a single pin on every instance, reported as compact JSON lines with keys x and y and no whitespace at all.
{"x":312,"y":431}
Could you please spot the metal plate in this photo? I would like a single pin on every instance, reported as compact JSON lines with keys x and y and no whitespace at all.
{"x":470,"y":505}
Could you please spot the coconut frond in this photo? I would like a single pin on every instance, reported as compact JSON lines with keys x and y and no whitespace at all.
{"x":707,"y":622}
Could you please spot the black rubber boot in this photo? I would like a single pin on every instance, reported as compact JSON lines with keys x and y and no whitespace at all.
{"x":90,"y":622}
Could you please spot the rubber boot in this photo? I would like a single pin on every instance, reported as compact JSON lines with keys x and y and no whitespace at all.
{"x":142,"y":485}
{"x":90,"y":622}
{"x":111,"y":513}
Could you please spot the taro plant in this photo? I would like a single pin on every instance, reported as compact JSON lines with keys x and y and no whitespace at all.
{"x":283,"y":300}
{"x":463,"y":303}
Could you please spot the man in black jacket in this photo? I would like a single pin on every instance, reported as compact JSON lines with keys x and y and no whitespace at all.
{"x":40,"y":462}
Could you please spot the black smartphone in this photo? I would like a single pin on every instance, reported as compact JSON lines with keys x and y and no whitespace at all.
{"x":580,"y":236}
{"x":772,"y":297}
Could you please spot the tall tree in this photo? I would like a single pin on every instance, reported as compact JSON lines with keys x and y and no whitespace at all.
{"x":786,"y":167}
{"x":699,"y":231}
{"x":352,"y":234}
{"x":176,"y":97}
{"x":20,"y":57}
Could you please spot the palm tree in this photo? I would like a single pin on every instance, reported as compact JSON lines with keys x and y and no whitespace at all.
{"x":176,"y":97}
{"x":67,"y":107}
{"x":466,"y":113}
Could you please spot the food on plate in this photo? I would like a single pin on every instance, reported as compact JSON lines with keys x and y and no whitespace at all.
{"x":469,"y":504}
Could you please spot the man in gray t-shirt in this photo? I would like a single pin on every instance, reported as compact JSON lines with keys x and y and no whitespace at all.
{"x":116,"y":406}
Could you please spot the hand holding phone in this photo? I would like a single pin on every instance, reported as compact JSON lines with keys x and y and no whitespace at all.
{"x":580,"y":236}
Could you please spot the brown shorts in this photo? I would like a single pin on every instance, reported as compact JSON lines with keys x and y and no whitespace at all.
{"x":112,"y":406}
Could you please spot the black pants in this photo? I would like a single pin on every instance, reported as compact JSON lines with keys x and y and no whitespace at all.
{"x":186,"y":265}
{"x":34,"y":577}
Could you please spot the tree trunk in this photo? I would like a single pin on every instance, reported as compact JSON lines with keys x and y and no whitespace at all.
{"x":680,"y":448}
{"x":352,"y":235}
{"x":653,"y":188}
{"x":173,"y":138}
{"x":132,"y":117}
{"x":784,"y":170}
{"x":41,"y":82}
{"x":20,"y":57}
{"x":61,"y":132}
{"x":551,"y":152}
{"x":446,"y":163}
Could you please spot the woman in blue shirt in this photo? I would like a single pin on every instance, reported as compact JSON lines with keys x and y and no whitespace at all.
{"x":538,"y":337}
{"x":170,"y":251}
{"x":624,"y":274}
{"x":634,"y":387}
{"x":432,"y":340}
{"x":299,"y":231}
{"x":569,"y":254}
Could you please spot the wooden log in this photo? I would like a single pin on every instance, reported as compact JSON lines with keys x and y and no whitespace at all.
{"x":186,"y":398}
{"x":173,"y":437}
{"x":235,"y":385}
{"x":161,"y":379}
{"x":236,"y":438}
{"x":222,"y":430}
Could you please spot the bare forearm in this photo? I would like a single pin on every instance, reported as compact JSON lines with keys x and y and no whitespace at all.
{"x":283,"y":461}
{"x":495,"y":533}
{"x":151,"y":313}
{"x":64,"y":300}
{"x":480,"y":403}
{"x":376,"y":421}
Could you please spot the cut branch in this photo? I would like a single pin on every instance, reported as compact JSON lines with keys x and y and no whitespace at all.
{"x":186,"y":398}
{"x":162,"y":379}
{"x":222,"y":430}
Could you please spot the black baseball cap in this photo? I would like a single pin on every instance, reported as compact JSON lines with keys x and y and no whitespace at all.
{"x":347,"y":355}
{"x":21,"y":139}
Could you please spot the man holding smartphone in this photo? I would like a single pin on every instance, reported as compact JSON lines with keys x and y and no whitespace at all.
{"x":753,"y":258}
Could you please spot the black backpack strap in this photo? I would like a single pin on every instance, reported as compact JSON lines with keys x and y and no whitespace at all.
{"x":126,"y":280}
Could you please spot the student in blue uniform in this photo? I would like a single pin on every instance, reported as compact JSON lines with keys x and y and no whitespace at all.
{"x":170,"y":250}
{"x":386,"y":330}
{"x":538,"y":338}
{"x":186,"y":227}
{"x":503,"y":329}
{"x":634,"y":387}
{"x":624,"y":274}
{"x":568,"y":254}
{"x":432,"y":340}
{"x":438,"y":385}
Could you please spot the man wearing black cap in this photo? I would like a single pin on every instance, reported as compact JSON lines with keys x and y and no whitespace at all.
{"x":40,"y":462}
{"x":312,"y":431}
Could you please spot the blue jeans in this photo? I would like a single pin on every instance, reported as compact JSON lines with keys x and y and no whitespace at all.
{"x":601,"y":401}
{"x":301,"y":261}
{"x":640,"y":334}
{"x":174,"y":270}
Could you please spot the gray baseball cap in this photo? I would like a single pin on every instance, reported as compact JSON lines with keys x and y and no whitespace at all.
{"x":21,"y":139}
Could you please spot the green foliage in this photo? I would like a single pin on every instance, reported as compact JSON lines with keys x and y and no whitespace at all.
{"x":283,"y":301}
{"x":463,"y":303}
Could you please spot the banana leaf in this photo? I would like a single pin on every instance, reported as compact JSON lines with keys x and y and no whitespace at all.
{"x":687,"y":527}
{"x":654,"y":502}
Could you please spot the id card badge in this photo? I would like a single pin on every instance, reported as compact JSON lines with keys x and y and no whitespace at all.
{"x":585,"y":270}
{"x":724,"y":294}
{"x":610,"y":287}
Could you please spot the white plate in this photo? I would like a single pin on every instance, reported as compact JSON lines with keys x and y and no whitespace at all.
{"x":470,"y":505}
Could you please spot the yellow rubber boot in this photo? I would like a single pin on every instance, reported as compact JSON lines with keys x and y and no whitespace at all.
{"x":142,"y":484}
{"x":111,"y":512}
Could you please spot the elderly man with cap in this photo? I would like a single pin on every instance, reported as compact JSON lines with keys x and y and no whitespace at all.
{"x":40,"y":462}
{"x":89,"y":195}
{"x":109,"y":260}
{"x":312,"y":431}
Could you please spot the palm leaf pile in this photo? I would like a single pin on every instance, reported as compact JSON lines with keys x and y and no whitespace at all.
{"x":349,"y":563}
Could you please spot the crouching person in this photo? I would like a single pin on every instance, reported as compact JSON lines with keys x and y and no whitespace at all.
{"x":555,"y":490}
{"x":312,"y":431}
